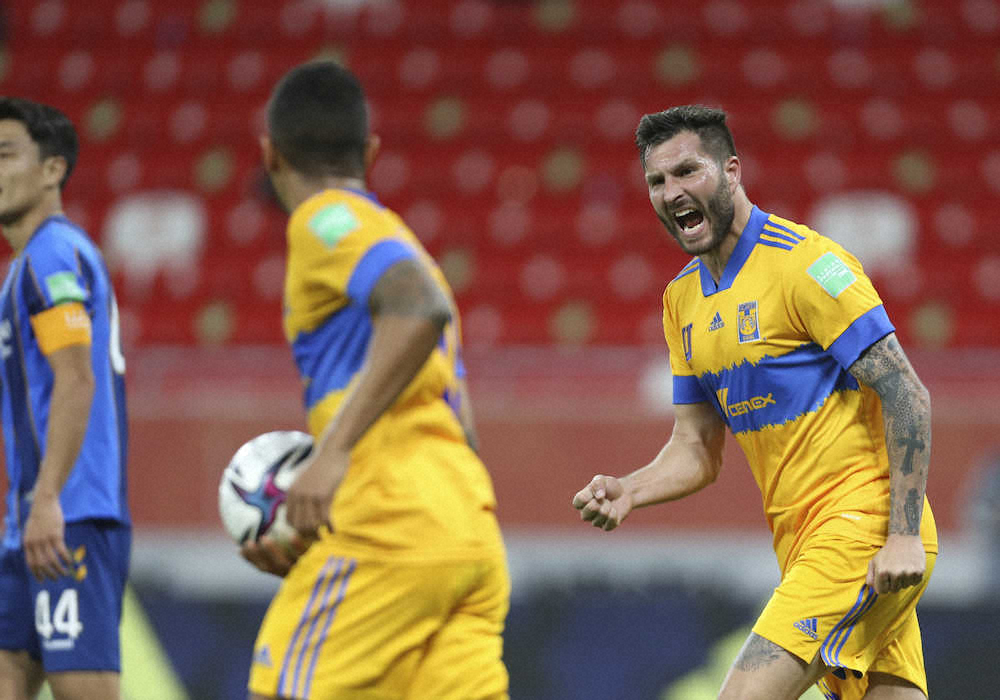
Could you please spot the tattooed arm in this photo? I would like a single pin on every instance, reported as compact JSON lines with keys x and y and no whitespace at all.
{"x":906,"y":413}
{"x":409,"y":311}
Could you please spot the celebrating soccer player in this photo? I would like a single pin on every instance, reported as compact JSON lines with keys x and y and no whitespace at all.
{"x":776,"y":332}
{"x":404,"y":592}
{"x":67,"y":532}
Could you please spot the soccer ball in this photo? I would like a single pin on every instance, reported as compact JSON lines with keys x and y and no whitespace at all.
{"x":253,"y":486}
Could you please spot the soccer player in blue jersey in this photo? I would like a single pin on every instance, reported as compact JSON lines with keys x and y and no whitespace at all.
{"x":67,"y":533}
{"x":775,"y":332}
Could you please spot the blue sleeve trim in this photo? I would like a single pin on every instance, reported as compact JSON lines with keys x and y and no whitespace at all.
{"x":687,"y":389}
{"x":379,"y":258}
{"x":867,"y":329}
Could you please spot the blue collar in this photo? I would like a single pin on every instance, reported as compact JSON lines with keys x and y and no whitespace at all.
{"x":744,"y":246}
{"x":363,"y":193}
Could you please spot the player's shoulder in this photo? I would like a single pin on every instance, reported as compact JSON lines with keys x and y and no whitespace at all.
{"x":59,"y":239}
{"x":800,"y":244}
{"x":688,"y":275}
{"x":332,"y":215}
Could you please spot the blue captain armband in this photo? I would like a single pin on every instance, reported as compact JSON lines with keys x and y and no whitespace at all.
{"x":687,"y":389}
{"x":866,"y":330}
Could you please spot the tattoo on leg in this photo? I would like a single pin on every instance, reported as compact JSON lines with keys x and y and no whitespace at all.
{"x":912,"y":511}
{"x":912,"y":443}
{"x":757,"y":652}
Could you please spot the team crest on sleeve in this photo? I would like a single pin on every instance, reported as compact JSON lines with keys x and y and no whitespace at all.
{"x":686,"y":339}
{"x":747,"y":324}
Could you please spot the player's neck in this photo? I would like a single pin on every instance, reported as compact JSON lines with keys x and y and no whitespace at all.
{"x":715,"y":260}
{"x":20,"y":232}
{"x":301,"y":188}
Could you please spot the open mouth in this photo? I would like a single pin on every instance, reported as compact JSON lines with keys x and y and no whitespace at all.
{"x":689,"y":220}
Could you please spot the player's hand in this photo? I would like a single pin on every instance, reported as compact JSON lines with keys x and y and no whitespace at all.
{"x":310,"y":496}
{"x":604,"y":502}
{"x":271,"y":557}
{"x":899,"y":564}
{"x":44,"y":539}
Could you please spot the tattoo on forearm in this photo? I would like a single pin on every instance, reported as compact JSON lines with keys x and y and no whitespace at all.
{"x":757,"y":652}
{"x":914,"y":504}
{"x":911,"y":444}
{"x":406,"y":289}
{"x":906,"y":415}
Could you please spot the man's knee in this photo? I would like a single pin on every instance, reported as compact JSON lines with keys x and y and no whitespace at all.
{"x":20,"y":675}
{"x":85,"y":685}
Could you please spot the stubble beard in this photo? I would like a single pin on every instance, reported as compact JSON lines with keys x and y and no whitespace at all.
{"x":719,"y":214}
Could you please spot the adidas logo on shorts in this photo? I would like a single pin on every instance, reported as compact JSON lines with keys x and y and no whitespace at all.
{"x":808,"y":626}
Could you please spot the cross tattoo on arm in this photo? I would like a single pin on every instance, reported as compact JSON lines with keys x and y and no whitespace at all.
{"x":912,"y":444}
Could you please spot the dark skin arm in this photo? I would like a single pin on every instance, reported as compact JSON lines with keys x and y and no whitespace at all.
{"x":906,"y":414}
{"x":409,"y":311}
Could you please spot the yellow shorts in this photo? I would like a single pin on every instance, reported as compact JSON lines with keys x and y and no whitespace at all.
{"x":823,"y":606}
{"x":370,"y":629}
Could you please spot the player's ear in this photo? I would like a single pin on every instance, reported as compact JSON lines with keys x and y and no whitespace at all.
{"x":53,"y":171}
{"x":372,"y":144}
{"x":733,"y":171}
{"x":268,"y":154}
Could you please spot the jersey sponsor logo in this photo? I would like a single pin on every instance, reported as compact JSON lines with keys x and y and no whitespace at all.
{"x":754,"y":403}
{"x":686,"y":340}
{"x":716,"y":322}
{"x":63,"y":286}
{"x":808,"y":626}
{"x":747,"y":325}
{"x":333,"y":222}
{"x":832,"y":274}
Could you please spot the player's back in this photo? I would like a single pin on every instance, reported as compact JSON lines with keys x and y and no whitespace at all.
{"x":58,"y":292}
{"x":414,"y":486}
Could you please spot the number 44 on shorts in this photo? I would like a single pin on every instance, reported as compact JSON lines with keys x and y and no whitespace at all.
{"x":63,"y":621}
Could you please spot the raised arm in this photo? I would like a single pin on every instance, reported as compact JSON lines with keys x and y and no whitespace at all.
{"x":689,"y":462}
{"x":906,"y":414}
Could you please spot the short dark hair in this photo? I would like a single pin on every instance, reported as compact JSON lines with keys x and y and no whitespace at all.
{"x":318,"y":120}
{"x":709,"y":123}
{"x":48,"y":127}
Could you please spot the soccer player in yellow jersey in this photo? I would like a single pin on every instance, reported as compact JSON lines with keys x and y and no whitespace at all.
{"x":403,"y":589}
{"x":775,"y":332}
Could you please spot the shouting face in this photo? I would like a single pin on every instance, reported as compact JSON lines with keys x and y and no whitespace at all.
{"x":690,"y":192}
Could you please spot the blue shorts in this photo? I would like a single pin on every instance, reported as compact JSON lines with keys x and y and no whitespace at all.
{"x":70,"y":624}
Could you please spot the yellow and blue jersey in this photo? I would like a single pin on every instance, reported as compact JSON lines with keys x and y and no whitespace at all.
{"x":769,"y":346}
{"x":414,"y":483}
{"x":57,"y":293}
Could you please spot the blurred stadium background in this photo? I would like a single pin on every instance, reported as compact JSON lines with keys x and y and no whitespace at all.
{"x":507,"y":128}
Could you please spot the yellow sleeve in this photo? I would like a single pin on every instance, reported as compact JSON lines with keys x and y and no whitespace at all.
{"x":687,"y":389}
{"x":835,"y":302}
{"x":62,"y":326}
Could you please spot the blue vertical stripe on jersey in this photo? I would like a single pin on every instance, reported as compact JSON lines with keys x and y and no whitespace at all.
{"x":331,"y":355}
{"x":776,"y":390}
{"x":283,"y":677}
{"x":773,"y":244}
{"x":850,"y":628}
{"x":330,"y":614}
{"x":780,"y":236}
{"x":772,"y":224}
{"x":866,"y":598}
{"x":313,"y":624}
{"x":867,"y":329}
{"x":373,"y":264}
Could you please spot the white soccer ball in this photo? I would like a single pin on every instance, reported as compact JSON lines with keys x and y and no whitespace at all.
{"x":253,"y":486}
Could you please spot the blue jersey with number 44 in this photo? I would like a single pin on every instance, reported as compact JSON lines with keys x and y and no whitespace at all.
{"x":57,"y":293}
